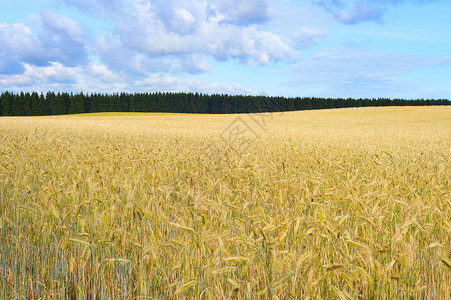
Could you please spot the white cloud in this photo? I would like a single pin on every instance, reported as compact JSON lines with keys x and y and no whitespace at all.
{"x":94,"y":78}
{"x":36,"y":77}
{"x":121,"y":59}
{"x":170,"y":36}
{"x":101,"y":73}
{"x":178,"y":36}
{"x":62,"y":23}
{"x":100,"y":79}
{"x":62,"y":39}
{"x":195,"y":64}
{"x":111,"y":51}
{"x":183,"y":17}
{"x":55,"y":73}
{"x":154,"y":81}
{"x":18,"y":46}
{"x":183,"y":29}
{"x":178,"y":16}
{"x":59,"y":39}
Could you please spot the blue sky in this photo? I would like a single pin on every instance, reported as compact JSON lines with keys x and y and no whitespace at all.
{"x":321,"y":48}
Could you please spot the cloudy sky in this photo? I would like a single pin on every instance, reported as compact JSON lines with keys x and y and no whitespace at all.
{"x":324,"y":48}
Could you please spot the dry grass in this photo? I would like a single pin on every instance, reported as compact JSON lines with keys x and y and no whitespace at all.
{"x":345,"y":204}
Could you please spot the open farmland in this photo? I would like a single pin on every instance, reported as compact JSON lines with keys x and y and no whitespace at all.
{"x":346,"y":203}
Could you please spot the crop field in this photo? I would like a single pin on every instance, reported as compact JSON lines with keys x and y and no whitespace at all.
{"x":330,"y":204}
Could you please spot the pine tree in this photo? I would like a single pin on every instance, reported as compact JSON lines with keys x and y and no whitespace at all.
{"x":5,"y":104}
{"x":76,"y":104}
{"x":50,"y":103}
{"x":27,"y":104}
{"x":34,"y":105}
{"x":18,"y":105}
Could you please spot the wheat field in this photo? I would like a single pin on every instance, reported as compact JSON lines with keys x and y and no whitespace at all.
{"x":332,"y":204}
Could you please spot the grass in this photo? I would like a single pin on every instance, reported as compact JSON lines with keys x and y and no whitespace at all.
{"x":332,"y":204}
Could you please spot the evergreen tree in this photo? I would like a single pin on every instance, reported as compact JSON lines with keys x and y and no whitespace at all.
{"x":66,"y":102}
{"x":77,"y":104}
{"x":50,"y":103}
{"x":27,"y":104}
{"x":133,"y":105}
{"x":5,"y":104}
{"x":42,"y":103}
{"x":34,"y":105}
{"x":92,"y":103}
{"x":18,"y":105}
{"x":62,"y":103}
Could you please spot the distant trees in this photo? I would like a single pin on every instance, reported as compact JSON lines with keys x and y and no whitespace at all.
{"x":34,"y":104}
{"x":4,"y":104}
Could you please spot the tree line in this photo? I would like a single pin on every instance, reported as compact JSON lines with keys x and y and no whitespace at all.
{"x":40,"y":104}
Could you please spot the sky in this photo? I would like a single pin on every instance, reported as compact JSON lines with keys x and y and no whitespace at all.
{"x":303,"y":48}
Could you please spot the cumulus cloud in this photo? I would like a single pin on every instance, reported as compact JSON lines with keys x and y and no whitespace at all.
{"x":18,"y":46}
{"x":115,"y":55}
{"x":122,"y":59}
{"x":59,"y":39}
{"x":100,"y":79}
{"x":37,"y":76}
{"x":62,"y":40}
{"x":168,"y":36}
{"x":195,"y":64}
{"x":152,"y":41}
{"x":181,"y":30}
{"x":93,"y":78}
{"x":178,"y":16}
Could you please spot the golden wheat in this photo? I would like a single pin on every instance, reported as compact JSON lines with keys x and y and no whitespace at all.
{"x":346,"y":203}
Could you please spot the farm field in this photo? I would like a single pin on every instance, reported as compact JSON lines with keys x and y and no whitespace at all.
{"x":329,"y":204}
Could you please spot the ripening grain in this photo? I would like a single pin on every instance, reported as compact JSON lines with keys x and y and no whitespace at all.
{"x":333,"y":204}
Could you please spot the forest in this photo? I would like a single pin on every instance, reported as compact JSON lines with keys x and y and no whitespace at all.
{"x":51,"y":103}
